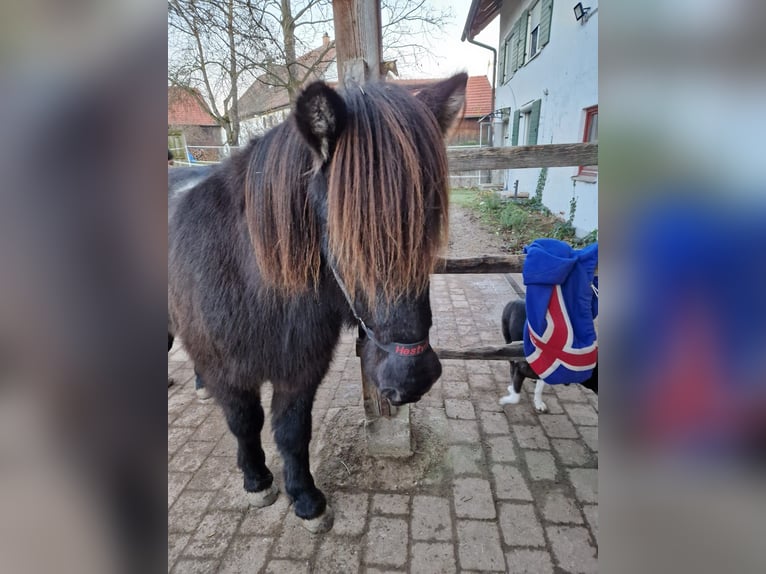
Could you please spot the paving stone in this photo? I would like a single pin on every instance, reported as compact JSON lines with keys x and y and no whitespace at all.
{"x":454,"y":371}
{"x":572,"y":393}
{"x":522,"y":413}
{"x":494,"y":423}
{"x":501,"y":448}
{"x":558,"y":507}
{"x":433,"y":558}
{"x":195,"y":414}
{"x":176,"y":483}
{"x":571,"y":452}
{"x":193,"y":566}
{"x":572,"y":549}
{"x":177,"y":436}
{"x":350,"y":513}
{"x":520,"y":525}
{"x":558,"y":426}
{"x":473,"y":498}
{"x":266,"y":521}
{"x":246,"y":554}
{"x":591,"y":515}
{"x":510,"y":483}
{"x":482,"y":382}
{"x":550,"y":399}
{"x":387,"y":541}
{"x":541,"y":464}
{"x":465,"y":459}
{"x":188,"y":509}
{"x":488,"y":401}
{"x":523,"y":561}
{"x":176,"y":544}
{"x":531,"y":437}
{"x":213,"y":535}
{"x":190,"y":456}
{"x":590,"y":437}
{"x":456,"y":390}
{"x":337,"y":555}
{"x":585,"y":482}
{"x":431,"y":518}
{"x":214,"y":473}
{"x":459,"y":431}
{"x":390,"y":504}
{"x":459,"y":409}
{"x":295,"y":542}
{"x":582,"y":414}
{"x":478,"y":367}
{"x":288,"y":567}
{"x":479,"y":546}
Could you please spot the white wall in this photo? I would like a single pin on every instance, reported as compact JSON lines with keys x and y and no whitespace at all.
{"x":564,"y":75}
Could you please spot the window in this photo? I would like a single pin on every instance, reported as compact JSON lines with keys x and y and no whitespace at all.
{"x":507,"y":60}
{"x":533,"y":31}
{"x":526,"y":124}
{"x":590,"y":134}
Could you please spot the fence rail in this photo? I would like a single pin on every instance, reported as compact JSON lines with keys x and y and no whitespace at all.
{"x":550,"y":155}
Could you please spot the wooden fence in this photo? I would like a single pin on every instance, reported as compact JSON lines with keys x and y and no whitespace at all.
{"x":551,"y":155}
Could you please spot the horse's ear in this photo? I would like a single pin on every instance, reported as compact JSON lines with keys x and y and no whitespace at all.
{"x":446,"y":100}
{"x":320,"y":115}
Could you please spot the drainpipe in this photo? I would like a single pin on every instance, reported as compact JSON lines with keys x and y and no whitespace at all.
{"x":494,"y":75}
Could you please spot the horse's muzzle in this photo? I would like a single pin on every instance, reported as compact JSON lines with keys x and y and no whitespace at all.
{"x":404,"y":380}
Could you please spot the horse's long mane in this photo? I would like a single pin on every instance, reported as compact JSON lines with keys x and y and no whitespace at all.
{"x":387,"y":198}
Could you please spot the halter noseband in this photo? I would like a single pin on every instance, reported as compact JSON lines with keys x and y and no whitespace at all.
{"x":400,"y":349}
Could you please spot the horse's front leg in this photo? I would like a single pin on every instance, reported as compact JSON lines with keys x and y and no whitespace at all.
{"x":291,"y":420}
{"x":245,"y":418}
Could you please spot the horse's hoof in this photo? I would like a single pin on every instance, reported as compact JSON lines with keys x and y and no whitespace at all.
{"x":541,"y":407}
{"x":203,"y":394}
{"x":265,"y":497}
{"x":321,"y":523}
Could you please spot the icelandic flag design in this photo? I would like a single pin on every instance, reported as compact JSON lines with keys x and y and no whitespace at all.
{"x":560,"y":339}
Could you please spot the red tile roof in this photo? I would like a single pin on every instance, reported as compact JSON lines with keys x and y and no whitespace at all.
{"x":478,"y":97}
{"x":185,"y":110}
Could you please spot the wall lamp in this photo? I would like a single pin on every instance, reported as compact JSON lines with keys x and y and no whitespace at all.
{"x":581,"y":14}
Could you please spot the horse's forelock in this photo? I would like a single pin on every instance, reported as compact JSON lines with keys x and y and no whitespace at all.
{"x":387,"y":193}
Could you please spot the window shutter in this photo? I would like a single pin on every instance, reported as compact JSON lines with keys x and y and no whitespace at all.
{"x":534,"y":123}
{"x":501,"y":79}
{"x":515,"y":132}
{"x":522,"y":39}
{"x":514,"y":46}
{"x":546,"y":13}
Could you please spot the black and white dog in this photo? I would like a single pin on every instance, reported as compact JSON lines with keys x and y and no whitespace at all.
{"x":514,"y":318}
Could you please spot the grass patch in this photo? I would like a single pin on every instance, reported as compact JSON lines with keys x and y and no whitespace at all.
{"x":518,"y":222}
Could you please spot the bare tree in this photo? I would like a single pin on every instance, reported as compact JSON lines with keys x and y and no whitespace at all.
{"x":214,"y":48}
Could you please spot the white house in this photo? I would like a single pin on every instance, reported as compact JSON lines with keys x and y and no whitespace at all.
{"x":546,"y":92}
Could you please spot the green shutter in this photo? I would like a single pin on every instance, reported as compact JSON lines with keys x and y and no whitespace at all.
{"x":514,"y":39}
{"x":515,"y":132}
{"x":546,"y":13}
{"x":522,"y":38}
{"x":534,"y":123}
{"x":501,"y":79}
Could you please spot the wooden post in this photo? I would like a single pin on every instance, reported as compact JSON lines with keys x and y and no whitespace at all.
{"x":358,"y":44}
{"x":358,"y":39}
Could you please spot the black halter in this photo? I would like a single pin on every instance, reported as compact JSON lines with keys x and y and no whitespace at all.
{"x":400,"y":349}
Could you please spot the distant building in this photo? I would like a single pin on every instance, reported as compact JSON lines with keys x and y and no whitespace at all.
{"x":546,"y":92}
{"x":190,"y":125}
{"x":265,"y":103}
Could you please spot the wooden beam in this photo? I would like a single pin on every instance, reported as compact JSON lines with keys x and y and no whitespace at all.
{"x":494,"y":353}
{"x":483,"y":264}
{"x":551,"y":155}
{"x":358,"y":39}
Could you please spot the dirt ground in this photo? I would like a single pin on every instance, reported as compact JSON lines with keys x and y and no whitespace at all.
{"x":469,"y":236}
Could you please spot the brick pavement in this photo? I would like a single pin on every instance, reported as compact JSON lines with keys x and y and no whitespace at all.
{"x":490,"y":488}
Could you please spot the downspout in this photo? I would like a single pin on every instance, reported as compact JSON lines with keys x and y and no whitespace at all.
{"x":494,"y":75}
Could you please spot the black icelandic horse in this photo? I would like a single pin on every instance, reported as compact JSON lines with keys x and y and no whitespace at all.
{"x":335,"y":216}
